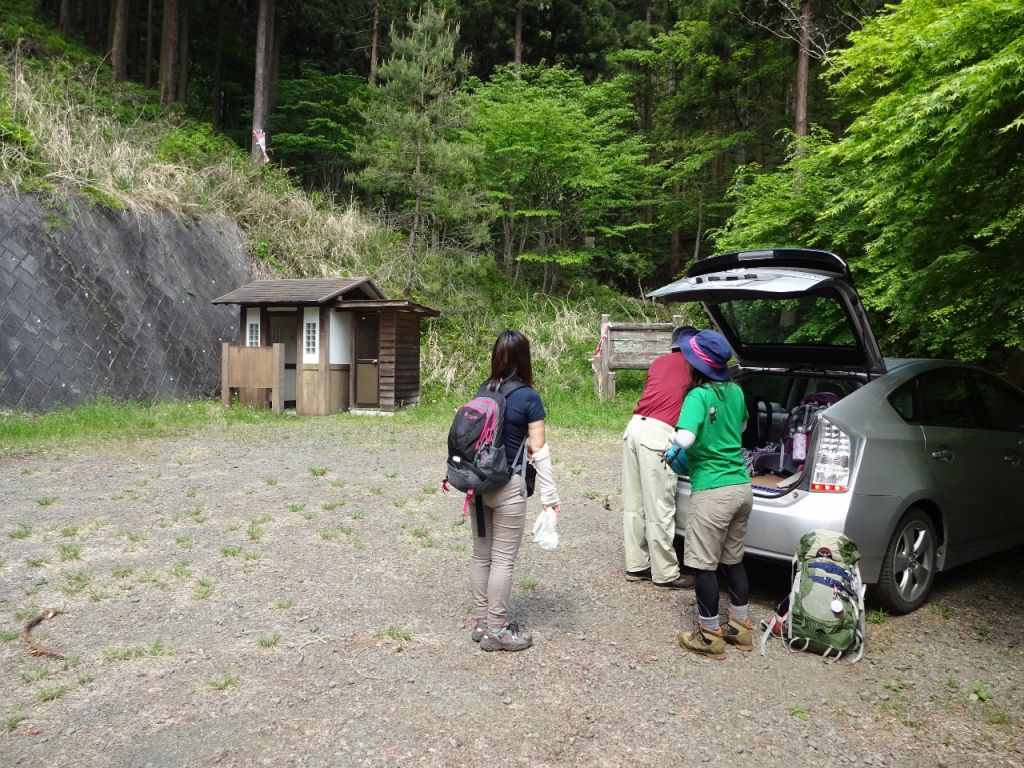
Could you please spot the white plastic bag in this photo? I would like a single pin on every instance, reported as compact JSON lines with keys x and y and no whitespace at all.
{"x":545,"y":530}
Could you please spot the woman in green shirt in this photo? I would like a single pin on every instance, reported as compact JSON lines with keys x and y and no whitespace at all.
{"x":710,"y":427}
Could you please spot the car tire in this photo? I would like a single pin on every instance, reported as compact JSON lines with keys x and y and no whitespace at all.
{"x":908,"y":569}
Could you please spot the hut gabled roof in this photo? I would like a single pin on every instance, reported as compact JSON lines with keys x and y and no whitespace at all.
{"x":302,"y":291}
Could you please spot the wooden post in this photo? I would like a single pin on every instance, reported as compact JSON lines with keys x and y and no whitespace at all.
{"x":225,"y":390}
{"x":277,"y":388}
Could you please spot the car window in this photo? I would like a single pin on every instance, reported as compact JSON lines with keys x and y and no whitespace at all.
{"x":1003,"y":406}
{"x":811,"y":319}
{"x":943,"y":399}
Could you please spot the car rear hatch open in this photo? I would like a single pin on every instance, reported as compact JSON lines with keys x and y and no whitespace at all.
{"x":790,"y":309}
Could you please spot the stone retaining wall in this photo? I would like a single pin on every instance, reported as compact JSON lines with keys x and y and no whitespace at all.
{"x":99,"y":303}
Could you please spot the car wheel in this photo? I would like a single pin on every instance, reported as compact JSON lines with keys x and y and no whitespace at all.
{"x":908,"y":569}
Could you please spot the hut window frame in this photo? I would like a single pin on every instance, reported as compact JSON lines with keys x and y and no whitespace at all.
{"x":253,"y":336}
{"x":311,"y":338}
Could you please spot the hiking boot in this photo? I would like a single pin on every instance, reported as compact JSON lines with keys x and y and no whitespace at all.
{"x":739,"y":634}
{"x":644,"y":575}
{"x":707,"y":642}
{"x":682,"y":581}
{"x":478,"y":630}
{"x":508,"y":638}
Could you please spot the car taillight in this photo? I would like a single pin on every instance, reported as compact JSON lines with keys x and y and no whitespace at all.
{"x":831,"y":473}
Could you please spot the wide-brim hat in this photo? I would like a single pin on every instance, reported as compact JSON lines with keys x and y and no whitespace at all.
{"x":709,"y":353}
{"x":681,"y":334}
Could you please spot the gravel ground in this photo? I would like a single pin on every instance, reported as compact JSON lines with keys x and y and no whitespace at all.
{"x":297,"y":594}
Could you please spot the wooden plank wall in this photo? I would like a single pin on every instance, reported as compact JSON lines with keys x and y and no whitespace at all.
{"x":252,"y":370}
{"x":386,"y":361}
{"x":407,"y":359}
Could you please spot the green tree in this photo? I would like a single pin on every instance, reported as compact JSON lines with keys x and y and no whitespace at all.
{"x":411,"y":153}
{"x":563,"y":168}
{"x":923,"y":191}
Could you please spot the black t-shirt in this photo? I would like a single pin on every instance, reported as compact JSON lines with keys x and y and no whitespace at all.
{"x":522,"y":407}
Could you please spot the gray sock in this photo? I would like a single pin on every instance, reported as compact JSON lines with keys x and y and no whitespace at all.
{"x":740,"y":612}
{"x":712,"y":623}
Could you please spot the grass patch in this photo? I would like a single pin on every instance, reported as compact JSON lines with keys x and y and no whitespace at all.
{"x":318,"y":471}
{"x":85,"y":678}
{"x":23,"y":531}
{"x":942,"y":610}
{"x":182,"y":569}
{"x":185,"y":542}
{"x":105,"y":418}
{"x":330,"y":506}
{"x":70,"y":662}
{"x":397,"y":635}
{"x":51,"y":693}
{"x":35,"y":562}
{"x":376,"y":490}
{"x":125,"y":654}
{"x":357,"y":515}
{"x":6,"y":635}
{"x":75,"y":582}
{"x":999,"y":717}
{"x":390,"y":475}
{"x":285,"y":603}
{"x":420,"y":532}
{"x":46,"y":501}
{"x":34,"y":674}
{"x":800,"y":713}
{"x":150,"y":576}
{"x":69,"y":531}
{"x":11,"y":722}
{"x":982,"y":633}
{"x":269,"y":640}
{"x":223,"y":682}
{"x":338,"y":484}
{"x":121,"y":572}
{"x":231,"y":551}
{"x":195,"y":514}
{"x":527,"y":582}
{"x":69,"y":550}
{"x":309,"y":514}
{"x":204,"y":588}
{"x":296,"y":507}
{"x":876,"y":616}
{"x":271,"y":481}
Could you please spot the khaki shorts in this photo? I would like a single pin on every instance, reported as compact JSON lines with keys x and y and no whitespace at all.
{"x":716,"y":525}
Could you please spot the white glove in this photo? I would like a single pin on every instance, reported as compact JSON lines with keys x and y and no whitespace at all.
{"x":545,"y":477}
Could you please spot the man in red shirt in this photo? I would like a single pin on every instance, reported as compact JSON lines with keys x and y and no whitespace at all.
{"x":648,"y":485}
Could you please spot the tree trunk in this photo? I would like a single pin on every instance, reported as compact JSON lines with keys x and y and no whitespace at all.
{"x":518,"y":53}
{"x":261,"y":90}
{"x":119,"y":45}
{"x":803,"y":64}
{"x":65,"y":21}
{"x":169,"y":53}
{"x":149,"y":44}
{"x":183,"y":62}
{"x":410,"y":268}
{"x":373,"y":44}
{"x":216,"y":97}
{"x":111,"y":22}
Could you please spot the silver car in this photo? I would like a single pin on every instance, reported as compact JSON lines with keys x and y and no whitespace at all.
{"x":918,"y":461}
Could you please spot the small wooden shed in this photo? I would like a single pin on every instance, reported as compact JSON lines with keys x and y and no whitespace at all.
{"x":323,"y":345}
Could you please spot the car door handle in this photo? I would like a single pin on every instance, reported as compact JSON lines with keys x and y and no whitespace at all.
{"x":943,"y":455}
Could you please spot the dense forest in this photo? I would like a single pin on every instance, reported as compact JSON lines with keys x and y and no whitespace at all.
{"x":609,"y":143}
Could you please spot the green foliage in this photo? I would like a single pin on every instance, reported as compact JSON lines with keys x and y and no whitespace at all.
{"x":564,"y":172}
{"x":315,"y":125}
{"x":921,"y":193}
{"x":195,"y":145}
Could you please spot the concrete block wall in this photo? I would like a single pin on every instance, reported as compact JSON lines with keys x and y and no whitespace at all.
{"x":99,"y":303}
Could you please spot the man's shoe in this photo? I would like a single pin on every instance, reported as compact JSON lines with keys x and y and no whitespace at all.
{"x":682,"y":581}
{"x":478,"y":631}
{"x":644,"y":575}
{"x":706,"y":642}
{"x":508,"y":638}
{"x":739,"y":634}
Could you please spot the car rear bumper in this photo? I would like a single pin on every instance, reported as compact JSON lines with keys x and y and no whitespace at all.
{"x":776,"y":524}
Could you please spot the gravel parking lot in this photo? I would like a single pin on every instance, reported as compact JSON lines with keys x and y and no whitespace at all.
{"x":297,"y":594}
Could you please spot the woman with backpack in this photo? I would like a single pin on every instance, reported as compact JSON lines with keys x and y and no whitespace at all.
{"x":710,"y":429}
{"x":504,"y":510}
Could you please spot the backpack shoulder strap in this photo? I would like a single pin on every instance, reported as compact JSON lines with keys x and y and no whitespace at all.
{"x":506,"y":388}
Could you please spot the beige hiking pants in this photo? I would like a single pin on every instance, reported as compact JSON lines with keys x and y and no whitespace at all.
{"x":648,"y":500}
{"x":494,"y":555}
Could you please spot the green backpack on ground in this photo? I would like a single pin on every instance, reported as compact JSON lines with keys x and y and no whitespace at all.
{"x":824,"y":612}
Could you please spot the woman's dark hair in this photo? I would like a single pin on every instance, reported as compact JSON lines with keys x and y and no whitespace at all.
{"x":698,"y":379}
{"x":511,"y":358}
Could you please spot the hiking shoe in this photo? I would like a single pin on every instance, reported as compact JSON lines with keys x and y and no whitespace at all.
{"x":707,"y":642}
{"x":644,"y":575}
{"x":478,"y":630}
{"x":508,"y":638}
{"x":739,"y":634}
{"x":682,"y":581}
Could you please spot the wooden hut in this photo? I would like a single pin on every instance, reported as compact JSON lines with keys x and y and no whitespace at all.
{"x":323,"y":345}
